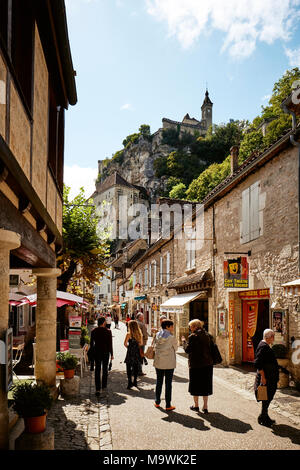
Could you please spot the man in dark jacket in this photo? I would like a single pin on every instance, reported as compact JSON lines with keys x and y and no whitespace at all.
{"x":101,"y":344}
{"x":267,"y":374}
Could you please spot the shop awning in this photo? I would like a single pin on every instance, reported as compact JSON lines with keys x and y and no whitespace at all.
{"x":63,"y":298}
{"x":140,"y":297}
{"x":292,"y":288}
{"x":180,"y":300}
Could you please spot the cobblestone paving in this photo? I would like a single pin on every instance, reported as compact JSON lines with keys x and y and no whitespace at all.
{"x":81,"y":423}
{"x":84,"y":422}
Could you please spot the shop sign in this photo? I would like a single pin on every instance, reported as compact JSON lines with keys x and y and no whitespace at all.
{"x":236,"y":273}
{"x":74,"y":338}
{"x":184,"y":318}
{"x":255,"y":294}
{"x":64,"y":345}
{"x":75,"y":321}
{"x":279,"y":325}
{"x":231,"y":330}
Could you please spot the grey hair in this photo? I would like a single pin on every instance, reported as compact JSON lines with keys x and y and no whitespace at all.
{"x":268,"y":334}
{"x":163,"y":317}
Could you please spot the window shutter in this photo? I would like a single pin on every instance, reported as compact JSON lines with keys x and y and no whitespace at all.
{"x":168,"y":267}
{"x":161,"y":270}
{"x":193,"y":257}
{"x":150,"y":275}
{"x":254,"y":211}
{"x":154,"y":274}
{"x":246,"y":215}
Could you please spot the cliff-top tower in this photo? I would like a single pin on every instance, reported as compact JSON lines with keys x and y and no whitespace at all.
{"x":206,"y":109}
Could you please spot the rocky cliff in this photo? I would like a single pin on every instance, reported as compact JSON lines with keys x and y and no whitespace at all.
{"x":136,"y":164}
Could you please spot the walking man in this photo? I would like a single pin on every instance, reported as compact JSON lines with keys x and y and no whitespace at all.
{"x":140,"y":320}
{"x":101,"y":344}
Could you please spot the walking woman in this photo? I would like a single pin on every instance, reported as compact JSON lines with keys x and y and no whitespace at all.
{"x":199,"y":347}
{"x":165,"y":362}
{"x":267,"y":374}
{"x":133,"y":342}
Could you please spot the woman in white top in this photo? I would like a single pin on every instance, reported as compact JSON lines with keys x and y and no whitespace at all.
{"x":165,"y":362}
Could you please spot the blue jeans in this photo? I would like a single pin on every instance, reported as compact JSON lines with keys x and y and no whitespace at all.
{"x":160,"y":374}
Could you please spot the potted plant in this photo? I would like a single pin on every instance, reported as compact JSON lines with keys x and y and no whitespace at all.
{"x":68,"y":362}
{"x":281,"y":352}
{"x":31,"y":402}
{"x":84,"y":338}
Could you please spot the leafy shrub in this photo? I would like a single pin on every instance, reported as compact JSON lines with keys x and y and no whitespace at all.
{"x":67,"y":360}
{"x":31,"y":399}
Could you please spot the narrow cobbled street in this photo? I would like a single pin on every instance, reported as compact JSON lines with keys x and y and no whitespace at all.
{"x":127,"y":420}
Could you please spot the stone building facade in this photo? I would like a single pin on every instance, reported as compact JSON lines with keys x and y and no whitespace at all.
{"x":37,"y":86}
{"x":249,"y":250}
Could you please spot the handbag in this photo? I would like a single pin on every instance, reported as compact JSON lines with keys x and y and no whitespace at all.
{"x":150,"y":353}
{"x":215,"y":353}
{"x":262,"y":393}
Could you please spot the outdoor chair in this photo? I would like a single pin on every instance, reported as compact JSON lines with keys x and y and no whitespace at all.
{"x":79,"y":353}
{"x":17,"y":358}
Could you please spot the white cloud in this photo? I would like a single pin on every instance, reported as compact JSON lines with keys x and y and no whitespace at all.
{"x":244,"y":22}
{"x":76,"y":177}
{"x":294,"y":56}
{"x":126,"y":106}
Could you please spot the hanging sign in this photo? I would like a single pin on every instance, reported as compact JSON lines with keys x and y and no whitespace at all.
{"x":236,"y":273}
{"x":250,"y":312}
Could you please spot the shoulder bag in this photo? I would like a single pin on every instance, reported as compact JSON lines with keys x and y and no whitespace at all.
{"x":216,"y":355}
{"x":150,"y":353}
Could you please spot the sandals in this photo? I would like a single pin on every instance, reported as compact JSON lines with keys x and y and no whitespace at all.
{"x":194,"y":408}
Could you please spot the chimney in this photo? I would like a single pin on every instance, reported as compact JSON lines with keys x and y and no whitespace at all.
{"x":234,"y":153}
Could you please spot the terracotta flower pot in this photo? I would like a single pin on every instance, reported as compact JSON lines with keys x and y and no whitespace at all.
{"x":69,"y":374}
{"x":35,"y":424}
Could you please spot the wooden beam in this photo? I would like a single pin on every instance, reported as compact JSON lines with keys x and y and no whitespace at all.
{"x":33,"y":250}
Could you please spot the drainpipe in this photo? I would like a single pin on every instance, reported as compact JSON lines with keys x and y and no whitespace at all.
{"x":296,"y":144}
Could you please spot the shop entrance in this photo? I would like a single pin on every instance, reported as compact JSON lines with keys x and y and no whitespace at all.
{"x":256,"y":319}
{"x":199,"y":310}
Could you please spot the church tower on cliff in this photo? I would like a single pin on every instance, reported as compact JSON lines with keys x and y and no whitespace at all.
{"x":206,"y":109}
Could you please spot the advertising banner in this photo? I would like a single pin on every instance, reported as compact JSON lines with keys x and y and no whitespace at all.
{"x":74,"y":338}
{"x":236,"y":273}
{"x":250,"y":312}
{"x":64,"y":345}
{"x":75,"y":321}
{"x":279,"y":319}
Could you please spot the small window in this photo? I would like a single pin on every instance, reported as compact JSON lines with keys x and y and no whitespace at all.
{"x":190,"y":254}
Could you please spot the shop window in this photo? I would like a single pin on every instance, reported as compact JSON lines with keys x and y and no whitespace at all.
{"x":250,"y":213}
{"x":22,"y":46}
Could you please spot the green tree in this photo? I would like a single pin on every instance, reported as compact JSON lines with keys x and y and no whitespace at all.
{"x":83,"y":246}
{"x":178,"y":191}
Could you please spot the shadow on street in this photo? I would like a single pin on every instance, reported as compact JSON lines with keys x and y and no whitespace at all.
{"x":283,"y":430}
{"x":219,"y":421}
{"x":185,"y":420}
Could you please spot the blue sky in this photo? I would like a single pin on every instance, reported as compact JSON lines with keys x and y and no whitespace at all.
{"x":138,"y":61}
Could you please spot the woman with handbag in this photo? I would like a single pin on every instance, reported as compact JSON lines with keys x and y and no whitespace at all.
{"x":133,"y":342}
{"x":267,"y":375}
{"x":165,"y":362}
{"x":199,"y":349}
